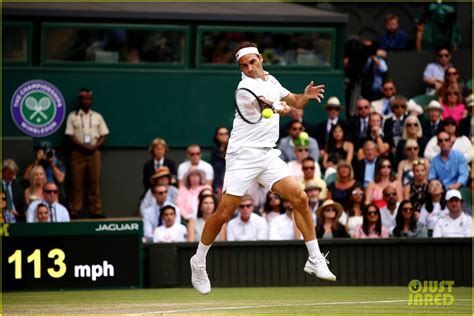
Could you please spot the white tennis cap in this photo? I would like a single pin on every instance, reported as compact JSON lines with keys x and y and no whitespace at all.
{"x":453,"y":194}
{"x":245,"y":51}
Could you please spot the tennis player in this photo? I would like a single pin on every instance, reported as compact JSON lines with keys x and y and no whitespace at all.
{"x":251,"y":157}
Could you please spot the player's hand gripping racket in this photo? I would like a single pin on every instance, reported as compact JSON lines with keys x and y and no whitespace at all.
{"x":249,"y":106}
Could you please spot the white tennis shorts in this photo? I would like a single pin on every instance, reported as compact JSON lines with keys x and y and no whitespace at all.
{"x":253,"y":164}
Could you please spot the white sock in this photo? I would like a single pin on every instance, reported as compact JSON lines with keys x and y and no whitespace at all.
{"x":313,"y":249}
{"x":201,"y":253}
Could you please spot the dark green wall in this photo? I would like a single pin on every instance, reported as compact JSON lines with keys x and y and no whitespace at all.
{"x":183,"y":106}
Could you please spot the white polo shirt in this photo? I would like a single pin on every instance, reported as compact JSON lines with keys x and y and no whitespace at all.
{"x":282,"y":228}
{"x":175,"y":233}
{"x":202,"y":165}
{"x":254,"y":229}
{"x":450,"y":227}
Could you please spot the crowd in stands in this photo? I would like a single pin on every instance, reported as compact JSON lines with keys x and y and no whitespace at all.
{"x":394,"y":168}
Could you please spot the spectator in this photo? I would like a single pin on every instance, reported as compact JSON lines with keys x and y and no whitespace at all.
{"x":460,"y":142}
{"x":207,"y":206}
{"x":388,"y":213}
{"x":329,"y":226}
{"x":372,"y":224}
{"x":452,"y":81}
{"x":431,"y":126}
{"x":162,"y":176}
{"x":365,"y":167}
{"x":313,"y":190}
{"x":37,"y":181}
{"x":248,"y":225}
{"x":449,"y":166}
{"x":296,"y":115}
{"x":456,"y":223}
{"x":57,"y":212}
{"x":221,"y":138}
{"x":287,"y":144}
{"x":376,"y":135}
{"x":301,"y":153}
{"x":411,"y":130}
{"x":393,"y":39}
{"x":465,"y":126}
{"x":406,"y":222}
{"x":384,"y":177}
{"x":42,"y":213}
{"x":341,"y":189}
{"x":283,"y":227}
{"x":354,"y":209}
{"x":374,"y":73}
{"x":7,"y":215}
{"x":452,"y":103}
{"x":414,"y":108}
{"x":171,"y":230}
{"x":359,"y":124}
{"x":16,"y":203}
{"x":417,"y":191}
{"x":393,"y":127}
{"x":152,"y":214}
{"x":194,"y":160}
{"x":382,"y":106}
{"x":433,"y":75}
{"x":434,"y":207}
{"x":187,"y":201}
{"x":87,"y":131}
{"x":273,"y":206}
{"x":158,"y":149}
{"x":405,"y":167}
{"x":338,"y":148}
{"x":311,"y":171}
{"x":258,"y":193}
{"x":322,"y":130}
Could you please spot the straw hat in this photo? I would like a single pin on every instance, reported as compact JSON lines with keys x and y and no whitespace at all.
{"x":161,"y":172}
{"x":327,"y":203}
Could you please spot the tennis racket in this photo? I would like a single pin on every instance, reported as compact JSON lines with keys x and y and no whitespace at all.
{"x":249,"y":106}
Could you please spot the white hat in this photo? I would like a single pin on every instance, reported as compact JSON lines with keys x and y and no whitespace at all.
{"x":333,"y":102}
{"x":434,"y":105}
{"x":412,"y":106}
{"x":453,"y":194}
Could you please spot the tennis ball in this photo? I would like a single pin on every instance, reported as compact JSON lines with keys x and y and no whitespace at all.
{"x":267,"y":113}
{"x":304,"y":136}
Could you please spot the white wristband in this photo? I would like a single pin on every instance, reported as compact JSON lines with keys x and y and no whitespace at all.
{"x":277,"y":106}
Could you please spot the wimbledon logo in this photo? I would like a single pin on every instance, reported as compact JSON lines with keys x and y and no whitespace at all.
{"x":38,"y":108}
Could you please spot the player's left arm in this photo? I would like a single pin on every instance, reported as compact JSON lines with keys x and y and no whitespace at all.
{"x":310,"y":92}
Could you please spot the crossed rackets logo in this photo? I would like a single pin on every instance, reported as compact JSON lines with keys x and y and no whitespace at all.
{"x":38,"y":111}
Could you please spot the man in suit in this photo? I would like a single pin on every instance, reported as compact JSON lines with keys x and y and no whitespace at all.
{"x":158,"y":148}
{"x":364,"y":169}
{"x":333,"y":109}
{"x":359,"y":124}
{"x":393,"y":127}
{"x":13,"y":190}
{"x":430,"y":127}
{"x":382,"y":105}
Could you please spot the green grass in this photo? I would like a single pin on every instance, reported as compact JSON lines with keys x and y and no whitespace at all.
{"x":270,"y":300}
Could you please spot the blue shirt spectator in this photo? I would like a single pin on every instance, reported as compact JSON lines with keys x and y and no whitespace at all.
{"x":393,"y":38}
{"x":451,"y":171}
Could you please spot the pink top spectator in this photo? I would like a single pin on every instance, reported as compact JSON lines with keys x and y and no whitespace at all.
{"x":456,"y":113}
{"x":360,"y":234}
{"x":188,"y":200}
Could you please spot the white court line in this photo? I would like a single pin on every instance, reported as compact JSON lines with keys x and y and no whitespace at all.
{"x":195,"y":310}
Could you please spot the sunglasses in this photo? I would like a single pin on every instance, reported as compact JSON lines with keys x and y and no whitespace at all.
{"x":372,"y":213}
{"x":450,"y":123}
{"x":194,"y":154}
{"x":396,"y":107}
{"x":333,"y":109}
{"x":451,"y":73}
{"x":329,"y":209}
{"x":385,"y":166}
{"x":51,"y":191}
{"x":357,"y":193}
{"x":412,"y":124}
{"x":390,"y":194}
{"x":388,"y":89}
{"x":407,"y":209}
{"x":443,"y":55}
{"x":451,"y":93}
{"x":412,"y":148}
{"x":362,"y":107}
{"x":245,"y":205}
{"x":273,"y":197}
{"x":162,"y":192}
{"x":297,"y":129}
{"x":418,"y":162}
{"x":308,"y":168}
{"x":303,"y":149}
{"x":443,"y":140}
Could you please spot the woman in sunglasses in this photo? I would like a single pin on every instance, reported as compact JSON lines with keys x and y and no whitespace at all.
{"x":354,"y":208}
{"x":460,"y":142}
{"x":405,"y":167}
{"x":417,"y":191}
{"x":371,"y":225}
{"x":412,"y":130}
{"x":453,"y":104}
{"x":406,"y":222}
{"x":383,"y":177}
{"x":453,"y":81}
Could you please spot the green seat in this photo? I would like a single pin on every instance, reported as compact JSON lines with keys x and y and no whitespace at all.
{"x":424,"y":99}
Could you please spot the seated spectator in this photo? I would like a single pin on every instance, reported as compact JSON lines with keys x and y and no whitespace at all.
{"x":382,"y":106}
{"x":37,"y":180}
{"x":221,"y":138}
{"x":405,"y":167}
{"x":273,"y":206}
{"x":313,"y":191}
{"x":16,"y":203}
{"x":7,"y":215}
{"x":459,"y":142}
{"x":312,"y":172}
{"x":431,"y":126}
{"x":354,"y":209}
{"x":452,"y":103}
{"x":341,"y":189}
{"x":376,"y":135}
{"x":287,"y":144}
{"x":411,"y":130}
{"x":283,"y":227}
{"x":301,"y":153}
{"x":365,"y":167}
{"x":384,"y":176}
{"x":393,"y":126}
{"x":247,"y":225}
{"x":433,"y":75}
{"x":194,"y":160}
{"x":162,"y":176}
{"x":406,"y":222}
{"x":151,"y":215}
{"x":333,"y":109}
{"x":452,"y":81}
{"x":158,"y":149}
{"x":171,"y":230}
{"x":42,"y":213}
{"x":57,"y":211}
{"x":414,"y":108}
{"x":389,"y":212}
{"x":393,"y":39}
{"x":359,"y":124}
{"x":329,"y":226}
{"x":259,"y":196}
{"x":456,"y":223}
{"x":449,"y":166}
{"x":434,"y":207}
{"x":187,"y":201}
{"x":417,"y":191}
{"x":337,"y":148}
{"x":372,"y":224}
{"x":207,"y":206}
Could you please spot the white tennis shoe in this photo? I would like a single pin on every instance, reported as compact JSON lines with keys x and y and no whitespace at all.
{"x":199,"y":278}
{"x":319,"y":268}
